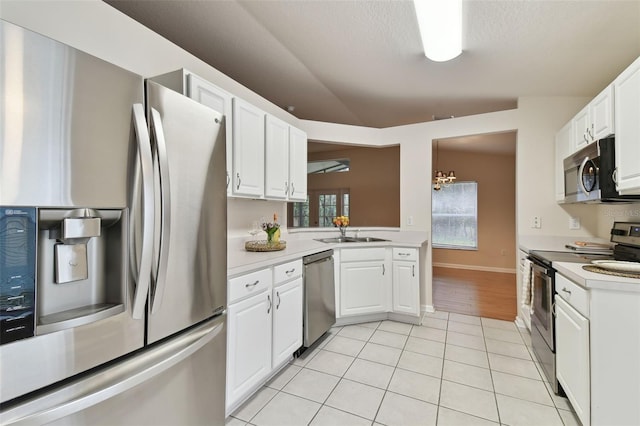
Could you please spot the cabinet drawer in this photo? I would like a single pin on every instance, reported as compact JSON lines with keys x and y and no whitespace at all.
{"x":573,"y":294}
{"x":246,"y":285}
{"x":400,"y":253}
{"x":287,"y":271}
{"x":359,"y":254}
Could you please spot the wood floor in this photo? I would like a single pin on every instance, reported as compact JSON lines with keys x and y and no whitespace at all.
{"x":485,"y":294}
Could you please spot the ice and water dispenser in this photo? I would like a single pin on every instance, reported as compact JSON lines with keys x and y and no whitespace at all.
{"x":60,"y":268}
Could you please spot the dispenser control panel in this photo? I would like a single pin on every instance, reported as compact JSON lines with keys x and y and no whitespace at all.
{"x":18,"y":233}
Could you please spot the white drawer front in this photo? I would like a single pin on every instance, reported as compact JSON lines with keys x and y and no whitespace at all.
{"x":401,"y":253}
{"x":246,"y":285}
{"x":573,"y":294}
{"x":287,"y":271}
{"x":359,"y":254}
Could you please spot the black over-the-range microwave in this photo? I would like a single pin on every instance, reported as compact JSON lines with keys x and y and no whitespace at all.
{"x":589,"y":175}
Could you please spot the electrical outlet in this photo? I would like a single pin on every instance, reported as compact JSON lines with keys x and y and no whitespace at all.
{"x":574,"y":223}
{"x":536,"y":222}
{"x":410,"y":220}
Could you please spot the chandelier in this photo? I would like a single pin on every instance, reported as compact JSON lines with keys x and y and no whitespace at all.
{"x":441,"y":178}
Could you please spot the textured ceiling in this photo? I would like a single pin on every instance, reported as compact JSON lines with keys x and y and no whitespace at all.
{"x":361,"y":62}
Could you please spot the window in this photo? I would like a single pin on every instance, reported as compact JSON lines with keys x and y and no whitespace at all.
{"x":320,"y":209}
{"x":454,"y":216}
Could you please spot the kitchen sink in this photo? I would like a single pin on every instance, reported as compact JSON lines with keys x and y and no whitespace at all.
{"x":351,"y":240}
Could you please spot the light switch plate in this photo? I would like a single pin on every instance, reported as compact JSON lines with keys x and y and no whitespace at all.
{"x":574,"y":223}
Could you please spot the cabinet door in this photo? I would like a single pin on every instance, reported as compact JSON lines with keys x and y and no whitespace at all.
{"x":297,"y":165}
{"x":276,"y":158}
{"x":564,"y":148}
{"x":363,"y":288}
{"x":572,"y":358}
{"x":601,"y":114}
{"x":248,"y":345}
{"x":627,"y":141}
{"x":218,"y":100}
{"x":581,"y":124}
{"x":248,"y":150}
{"x":406,"y":293}
{"x":287,"y":320}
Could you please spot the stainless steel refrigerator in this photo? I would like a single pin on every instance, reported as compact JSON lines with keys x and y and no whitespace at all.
{"x":112,"y":244}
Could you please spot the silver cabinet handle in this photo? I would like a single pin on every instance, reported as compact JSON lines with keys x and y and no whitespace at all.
{"x":252,"y":284}
{"x":585,"y":137}
{"x":614,"y":176}
{"x":413,"y":270}
{"x":270,"y":304}
{"x":286,"y":188}
{"x":566,"y":291}
{"x":383,"y":269}
{"x":293,"y":189}
{"x":278,"y":305}
{"x":404,"y":254}
{"x":165,"y":211}
{"x":237,"y":181}
{"x":142,"y":272}
{"x":290,"y":271}
{"x":228,"y":179}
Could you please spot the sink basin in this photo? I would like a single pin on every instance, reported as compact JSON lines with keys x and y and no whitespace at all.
{"x":368,"y":240}
{"x":351,"y":240}
{"x":337,"y":240}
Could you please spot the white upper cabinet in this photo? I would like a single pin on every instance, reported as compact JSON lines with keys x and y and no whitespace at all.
{"x":276,"y":182}
{"x":564,"y":148}
{"x":627,"y":119}
{"x":595,"y":121}
{"x":218,"y":100}
{"x":248,"y":150}
{"x":601,"y":110}
{"x":285,"y":161}
{"x":297,"y":165}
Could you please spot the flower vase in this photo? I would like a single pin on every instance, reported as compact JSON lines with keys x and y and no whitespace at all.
{"x":273,"y":235}
{"x":343,"y":231}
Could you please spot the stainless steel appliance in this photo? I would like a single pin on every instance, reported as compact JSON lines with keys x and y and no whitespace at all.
{"x":319,"y":311}
{"x":542,"y":321}
{"x":112,"y":242}
{"x":627,"y":237}
{"x":589,"y":174}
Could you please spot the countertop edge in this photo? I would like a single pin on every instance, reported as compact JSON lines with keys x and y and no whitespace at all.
{"x":593,"y":280}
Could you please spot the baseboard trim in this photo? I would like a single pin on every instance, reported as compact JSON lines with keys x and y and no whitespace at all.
{"x":476,"y":268}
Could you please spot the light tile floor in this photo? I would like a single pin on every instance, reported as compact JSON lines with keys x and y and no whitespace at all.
{"x":451,"y":370}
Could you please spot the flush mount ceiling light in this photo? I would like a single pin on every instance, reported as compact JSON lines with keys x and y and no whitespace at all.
{"x":440,"y":24}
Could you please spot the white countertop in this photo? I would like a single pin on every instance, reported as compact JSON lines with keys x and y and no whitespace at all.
{"x":593,"y":280}
{"x":299,"y":244}
{"x":527,"y":243}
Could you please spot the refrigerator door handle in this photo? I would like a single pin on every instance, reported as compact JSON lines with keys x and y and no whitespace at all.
{"x":116,"y":380}
{"x":142,"y":271}
{"x":165,"y":212}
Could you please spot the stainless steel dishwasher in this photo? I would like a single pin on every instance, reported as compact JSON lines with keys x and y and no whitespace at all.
{"x":319,"y":296}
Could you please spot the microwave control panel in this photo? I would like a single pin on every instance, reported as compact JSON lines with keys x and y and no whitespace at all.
{"x":18,"y":233}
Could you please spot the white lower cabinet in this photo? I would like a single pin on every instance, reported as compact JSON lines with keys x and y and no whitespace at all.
{"x":248,"y":345}
{"x":287,"y":315}
{"x":264,"y":327}
{"x":406,"y":282}
{"x":363,"y":288}
{"x":572,"y":357}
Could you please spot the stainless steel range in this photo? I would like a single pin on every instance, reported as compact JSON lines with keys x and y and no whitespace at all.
{"x":627,"y":237}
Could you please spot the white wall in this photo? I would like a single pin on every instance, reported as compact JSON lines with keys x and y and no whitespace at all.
{"x":536,"y":121}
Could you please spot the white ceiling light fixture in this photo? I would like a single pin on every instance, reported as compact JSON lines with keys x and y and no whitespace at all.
{"x":440,"y":24}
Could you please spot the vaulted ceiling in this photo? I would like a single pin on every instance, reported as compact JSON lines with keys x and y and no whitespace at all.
{"x":361,"y":62}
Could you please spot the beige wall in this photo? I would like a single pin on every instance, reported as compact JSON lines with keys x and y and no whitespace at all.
{"x":373,"y":181}
{"x":496,"y":176}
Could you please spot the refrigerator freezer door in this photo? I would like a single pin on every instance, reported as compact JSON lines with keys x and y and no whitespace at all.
{"x":179,"y":382}
{"x":190,"y":276}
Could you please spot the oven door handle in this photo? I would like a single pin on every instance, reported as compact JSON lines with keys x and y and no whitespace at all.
{"x":542,"y":269}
